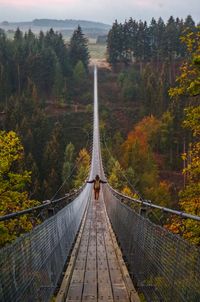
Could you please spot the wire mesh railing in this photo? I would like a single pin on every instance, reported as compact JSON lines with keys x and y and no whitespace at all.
{"x":32,"y":265}
{"x":164,"y":266}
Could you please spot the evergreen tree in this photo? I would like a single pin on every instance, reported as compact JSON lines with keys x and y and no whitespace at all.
{"x":79,"y":73}
{"x":189,"y":24}
{"x":161,"y":39}
{"x":138,"y":41}
{"x":42,"y":70}
{"x":171,"y":38}
{"x":114,"y":43}
{"x":78,"y":48}
{"x":153,"y":38}
{"x":133,"y":34}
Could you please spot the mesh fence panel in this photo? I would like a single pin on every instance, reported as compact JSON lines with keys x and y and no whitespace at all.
{"x":32,"y":265}
{"x":164,"y":266}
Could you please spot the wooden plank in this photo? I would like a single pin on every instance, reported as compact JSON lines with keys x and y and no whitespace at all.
{"x":99,"y":272}
{"x":104,"y":283}
{"x":61,"y":296}
{"x":90,"y":286}
{"x":75,"y":292}
{"x":90,"y":278}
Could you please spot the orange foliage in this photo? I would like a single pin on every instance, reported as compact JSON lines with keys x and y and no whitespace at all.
{"x":142,"y":135}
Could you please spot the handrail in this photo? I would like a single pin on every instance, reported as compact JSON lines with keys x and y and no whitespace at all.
{"x":46,"y":204}
{"x":154,"y":206}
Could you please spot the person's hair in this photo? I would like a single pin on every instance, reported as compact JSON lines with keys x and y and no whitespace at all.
{"x":97,"y":177}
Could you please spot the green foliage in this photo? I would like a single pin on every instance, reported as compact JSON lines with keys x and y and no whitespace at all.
{"x":79,"y":73}
{"x":13,"y":181}
{"x":68,"y":165}
{"x":189,"y":80}
{"x":160,"y":193}
{"x":192,"y":119}
{"x":53,"y":166}
{"x":83,"y":165}
{"x":78,"y":49}
{"x":43,"y":62}
{"x":129,"y":83}
{"x":137,"y":41}
{"x":115,"y":43}
{"x":116,"y":178}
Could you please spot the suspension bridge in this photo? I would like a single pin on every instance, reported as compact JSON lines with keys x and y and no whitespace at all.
{"x":99,"y":250}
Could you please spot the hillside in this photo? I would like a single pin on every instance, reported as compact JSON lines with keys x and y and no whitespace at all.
{"x":70,"y":23}
{"x":66,"y":27}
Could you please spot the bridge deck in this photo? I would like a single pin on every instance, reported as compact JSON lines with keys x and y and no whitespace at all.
{"x":97,"y":274}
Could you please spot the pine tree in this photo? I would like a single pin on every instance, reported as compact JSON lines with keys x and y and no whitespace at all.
{"x":78,"y":48}
{"x":114,"y":44}
{"x":79,"y":73}
{"x":133,"y":29}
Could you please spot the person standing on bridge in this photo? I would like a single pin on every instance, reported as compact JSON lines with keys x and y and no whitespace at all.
{"x":96,"y":181}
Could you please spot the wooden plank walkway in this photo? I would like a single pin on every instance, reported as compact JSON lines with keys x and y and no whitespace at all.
{"x":98,"y":272}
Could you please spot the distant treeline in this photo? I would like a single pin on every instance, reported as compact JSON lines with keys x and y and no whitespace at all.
{"x":137,"y":41}
{"x":70,"y":23}
{"x":67,"y":23}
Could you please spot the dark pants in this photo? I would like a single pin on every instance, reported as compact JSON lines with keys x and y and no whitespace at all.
{"x":96,"y":194}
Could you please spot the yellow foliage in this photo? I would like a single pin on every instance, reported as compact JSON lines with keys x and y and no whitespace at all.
{"x":127,"y":191}
{"x":83,"y":165}
{"x":189,"y":85}
{"x":189,"y":80}
{"x":14,"y":198}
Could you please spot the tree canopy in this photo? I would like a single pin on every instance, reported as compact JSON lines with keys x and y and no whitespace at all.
{"x":78,"y":48}
{"x":13,"y":187}
{"x":134,"y":40}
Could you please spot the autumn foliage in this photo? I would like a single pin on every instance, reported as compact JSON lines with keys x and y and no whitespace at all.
{"x":188,"y":85}
{"x":139,"y":165}
{"x":13,"y":194}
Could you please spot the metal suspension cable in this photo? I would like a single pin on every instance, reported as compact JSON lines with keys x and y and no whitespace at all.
{"x":30,"y":210}
{"x":154,"y":206}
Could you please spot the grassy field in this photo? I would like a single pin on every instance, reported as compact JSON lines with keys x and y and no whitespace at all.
{"x":97,"y":51}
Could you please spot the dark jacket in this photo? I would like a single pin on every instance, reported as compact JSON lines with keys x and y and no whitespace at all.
{"x":96,"y":183}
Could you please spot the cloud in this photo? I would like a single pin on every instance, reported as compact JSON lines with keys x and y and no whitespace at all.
{"x":99,"y":10}
{"x":35,"y":3}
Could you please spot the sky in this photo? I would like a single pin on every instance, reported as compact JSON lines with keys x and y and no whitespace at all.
{"x":97,"y":10}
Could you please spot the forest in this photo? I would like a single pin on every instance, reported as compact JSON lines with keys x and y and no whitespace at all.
{"x":149,"y":117}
